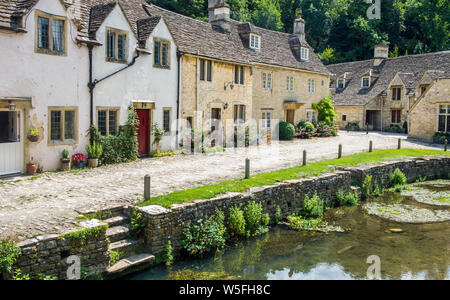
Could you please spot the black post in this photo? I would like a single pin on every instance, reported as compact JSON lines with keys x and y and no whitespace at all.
{"x":247,"y":168}
{"x":340,"y":151}
{"x":399,"y":144}
{"x":367,"y":128}
{"x":147,"y":181}
{"x":370,"y":146}
{"x":304,"y":157}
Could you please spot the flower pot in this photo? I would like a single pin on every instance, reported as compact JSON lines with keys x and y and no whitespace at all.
{"x":93,"y":162}
{"x":65,"y":164}
{"x":31,"y":169}
{"x":33,"y":138}
{"x":80,"y":164}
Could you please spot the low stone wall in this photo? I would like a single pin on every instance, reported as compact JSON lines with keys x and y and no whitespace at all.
{"x":47,"y":255}
{"x":168,"y":224}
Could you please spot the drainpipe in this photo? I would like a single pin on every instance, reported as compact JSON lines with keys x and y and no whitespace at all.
{"x":179,"y":56}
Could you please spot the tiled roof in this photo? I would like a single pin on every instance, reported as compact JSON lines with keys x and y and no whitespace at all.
{"x":410,"y":68}
{"x":146,"y":26}
{"x":11,"y":8}
{"x":98,"y":15}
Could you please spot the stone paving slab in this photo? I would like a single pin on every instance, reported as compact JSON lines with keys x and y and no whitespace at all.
{"x":49,"y":203}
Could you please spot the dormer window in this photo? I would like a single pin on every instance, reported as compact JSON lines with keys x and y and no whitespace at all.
{"x":255,"y":42}
{"x":116,"y":45}
{"x":304,"y":53}
{"x":365,"y":82}
{"x":50,"y":34}
{"x":341,"y":83}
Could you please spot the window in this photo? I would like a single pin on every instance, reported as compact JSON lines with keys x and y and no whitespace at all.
{"x":50,"y":34}
{"x":396,"y":93}
{"x":255,"y":42}
{"x":161,"y":54}
{"x":341,"y":84}
{"x":63,"y":125}
{"x":311,"y":116}
{"x":266,"y":121}
{"x":290,"y":84}
{"x":344,"y":117}
{"x":396,"y":116}
{"x":311,"y":86}
{"x":205,"y":70}
{"x":239,"y":74}
{"x":304,"y":53}
{"x":107,"y":121}
{"x":267,"y":81}
{"x":239,"y":114}
{"x":9,"y":126}
{"x":116,"y":45}
{"x":423,"y":89}
{"x":365,"y":82}
{"x":444,"y":118}
{"x":166,"y":120}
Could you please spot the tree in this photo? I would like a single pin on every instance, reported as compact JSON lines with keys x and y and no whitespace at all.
{"x":325,"y":111}
{"x":267,"y":15}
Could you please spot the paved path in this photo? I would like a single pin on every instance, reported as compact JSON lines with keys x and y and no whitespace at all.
{"x":48,"y":203}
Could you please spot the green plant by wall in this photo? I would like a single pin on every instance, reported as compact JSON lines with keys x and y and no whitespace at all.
{"x":94,"y":150}
{"x":168,"y":254}
{"x":397,"y":177}
{"x":138,"y":223}
{"x":158,"y":135}
{"x":312,"y":206}
{"x":286,"y":131}
{"x":366,"y":188}
{"x":302,"y":223}
{"x":205,"y":236}
{"x":118,"y":148}
{"x":348,"y":198}
{"x":81,"y":237}
{"x":236,"y":222}
{"x":326,"y":112}
{"x":19,"y":276}
{"x":8,"y":255}
{"x":65,"y":154}
{"x":253,"y":214}
{"x":114,"y":257}
{"x":277,"y":217}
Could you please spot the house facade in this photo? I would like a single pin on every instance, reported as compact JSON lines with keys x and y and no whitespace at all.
{"x":43,"y":85}
{"x":380,"y":92}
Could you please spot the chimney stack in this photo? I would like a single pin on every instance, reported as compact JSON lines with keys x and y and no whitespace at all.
{"x":380,"y":53}
{"x":219,"y":14}
{"x":299,"y":25}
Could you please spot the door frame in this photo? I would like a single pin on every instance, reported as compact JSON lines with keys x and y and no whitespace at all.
{"x":21,"y":133}
{"x":149,"y":112}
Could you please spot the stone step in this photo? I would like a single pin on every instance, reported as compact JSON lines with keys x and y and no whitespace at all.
{"x":126,"y":247}
{"x":117,"y":221}
{"x":131,"y":262}
{"x":117,"y":233}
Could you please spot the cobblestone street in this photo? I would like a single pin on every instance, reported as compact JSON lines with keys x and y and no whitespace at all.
{"x":48,"y":203}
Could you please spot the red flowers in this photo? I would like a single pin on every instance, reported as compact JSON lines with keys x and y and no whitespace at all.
{"x":77,"y":158}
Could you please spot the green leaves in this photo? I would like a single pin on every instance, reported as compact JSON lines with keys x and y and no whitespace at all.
{"x":8,"y":255}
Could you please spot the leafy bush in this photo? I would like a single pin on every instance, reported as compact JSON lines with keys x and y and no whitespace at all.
{"x":277,"y":217}
{"x":349,"y":198}
{"x":326,"y":112}
{"x":114,"y":257}
{"x":325,"y":130}
{"x":300,"y":223}
{"x":138,"y":223}
{"x":440,"y":137}
{"x":8,"y":255}
{"x":286,"y":130}
{"x":94,"y":150}
{"x":158,"y":135}
{"x":253,"y":215}
{"x":312,"y":207}
{"x":353,"y":127}
{"x":265,"y":220}
{"x":394,"y":128}
{"x":65,"y":154}
{"x":205,"y":236}
{"x":236,"y":221}
{"x":168,"y":254}
{"x":366,"y":188}
{"x":397,"y":177}
{"x":19,"y":276}
{"x":309,"y":127}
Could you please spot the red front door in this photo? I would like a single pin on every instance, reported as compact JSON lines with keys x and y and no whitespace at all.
{"x":143,"y":131}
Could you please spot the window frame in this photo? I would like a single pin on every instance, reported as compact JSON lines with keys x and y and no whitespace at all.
{"x":51,"y":18}
{"x":107,"y":110}
{"x":239,"y":75}
{"x":169,"y":110}
{"x":396,"y":117}
{"x":311,"y":86}
{"x":254,"y":41}
{"x":338,"y":85}
{"x":205,"y":70}
{"x":159,"y":64}
{"x":266,"y":119}
{"x":63,"y":140}
{"x":446,"y":115}
{"x":362,"y":82}
{"x":290,"y":83}
{"x":304,"y":53}
{"x":396,"y":96}
{"x":236,"y":115}
{"x":117,"y":33}
{"x":313,"y":113}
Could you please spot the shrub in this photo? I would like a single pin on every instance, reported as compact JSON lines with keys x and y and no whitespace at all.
{"x":349,"y":198}
{"x":307,"y":126}
{"x":366,"y":188}
{"x":205,"y":236}
{"x":326,"y":112}
{"x":286,"y":130}
{"x":440,"y":137}
{"x":353,"y":127}
{"x":8,"y":255}
{"x":168,"y":254}
{"x":19,"y":276}
{"x":325,"y":130}
{"x":397,"y":177}
{"x":138,"y":223}
{"x":313,"y":207}
{"x":253,"y":215}
{"x":65,"y":154}
{"x":394,"y":128}
{"x":300,"y":223}
{"x":277,"y":217}
{"x":94,"y":150}
{"x":265,"y":220}
{"x":158,"y":134}
{"x":114,"y":257}
{"x":236,"y":221}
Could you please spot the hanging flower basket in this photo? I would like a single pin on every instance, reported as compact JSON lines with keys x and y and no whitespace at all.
{"x":33,"y":138}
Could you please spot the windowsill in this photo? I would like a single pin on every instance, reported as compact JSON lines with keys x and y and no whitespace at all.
{"x":161,"y":67}
{"x":50,"y":52}
{"x":114,"y":60}
{"x":62,"y":143}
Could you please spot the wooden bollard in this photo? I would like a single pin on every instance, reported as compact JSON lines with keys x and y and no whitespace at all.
{"x":340,"y":151}
{"x":147,"y":180}
{"x":399,"y":144}
{"x":370,"y":146}
{"x":247,"y":168}
{"x":445,"y":144}
{"x":367,"y":128}
{"x":304,"y":157}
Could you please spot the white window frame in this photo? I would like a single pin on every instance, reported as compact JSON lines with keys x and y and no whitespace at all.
{"x":362,"y":82}
{"x":311,"y":116}
{"x":304,"y":53}
{"x":343,"y":83}
{"x":266,"y":119}
{"x":255,"y":41}
{"x":290,"y":83}
{"x":311,"y":86}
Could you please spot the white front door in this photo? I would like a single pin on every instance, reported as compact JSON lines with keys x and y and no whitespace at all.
{"x":11,"y":142}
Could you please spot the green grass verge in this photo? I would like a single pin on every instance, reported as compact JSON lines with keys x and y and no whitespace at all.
{"x":313,"y":169}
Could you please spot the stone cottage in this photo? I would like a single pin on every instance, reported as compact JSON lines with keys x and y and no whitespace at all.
{"x":380,"y":91}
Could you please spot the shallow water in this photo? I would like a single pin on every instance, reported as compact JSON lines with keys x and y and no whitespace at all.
{"x":420,"y":252}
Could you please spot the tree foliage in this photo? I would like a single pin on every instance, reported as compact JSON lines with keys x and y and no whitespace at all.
{"x":339,"y":30}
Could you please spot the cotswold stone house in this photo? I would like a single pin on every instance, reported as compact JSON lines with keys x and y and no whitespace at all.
{"x":380,"y":92}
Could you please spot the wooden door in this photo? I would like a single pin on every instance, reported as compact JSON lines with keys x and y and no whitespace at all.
{"x":143,"y":132}
{"x":216,"y":128}
{"x":290,"y":114}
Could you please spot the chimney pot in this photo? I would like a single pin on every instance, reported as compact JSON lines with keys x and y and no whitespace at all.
{"x":299,"y":25}
{"x":380,"y":53}
{"x":219,"y":14}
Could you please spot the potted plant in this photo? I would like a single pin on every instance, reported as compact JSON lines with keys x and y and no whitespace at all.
{"x":94,"y":151}
{"x":33,"y":135}
{"x":79,"y":160}
{"x":269,"y":136}
{"x":158,"y":134}
{"x":65,"y":160}
{"x":31,"y":168}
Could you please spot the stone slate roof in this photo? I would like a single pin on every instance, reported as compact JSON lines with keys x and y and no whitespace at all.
{"x":12,"y":8}
{"x":146,"y":26}
{"x":200,"y":38}
{"x":98,"y":15}
{"x":410,"y":68}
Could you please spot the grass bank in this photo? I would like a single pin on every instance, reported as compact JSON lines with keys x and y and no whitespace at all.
{"x":262,"y":179}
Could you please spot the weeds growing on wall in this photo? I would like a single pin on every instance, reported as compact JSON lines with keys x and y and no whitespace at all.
{"x":397,"y":178}
{"x":138,"y":223}
{"x":8,"y":256}
{"x":346,"y":199}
